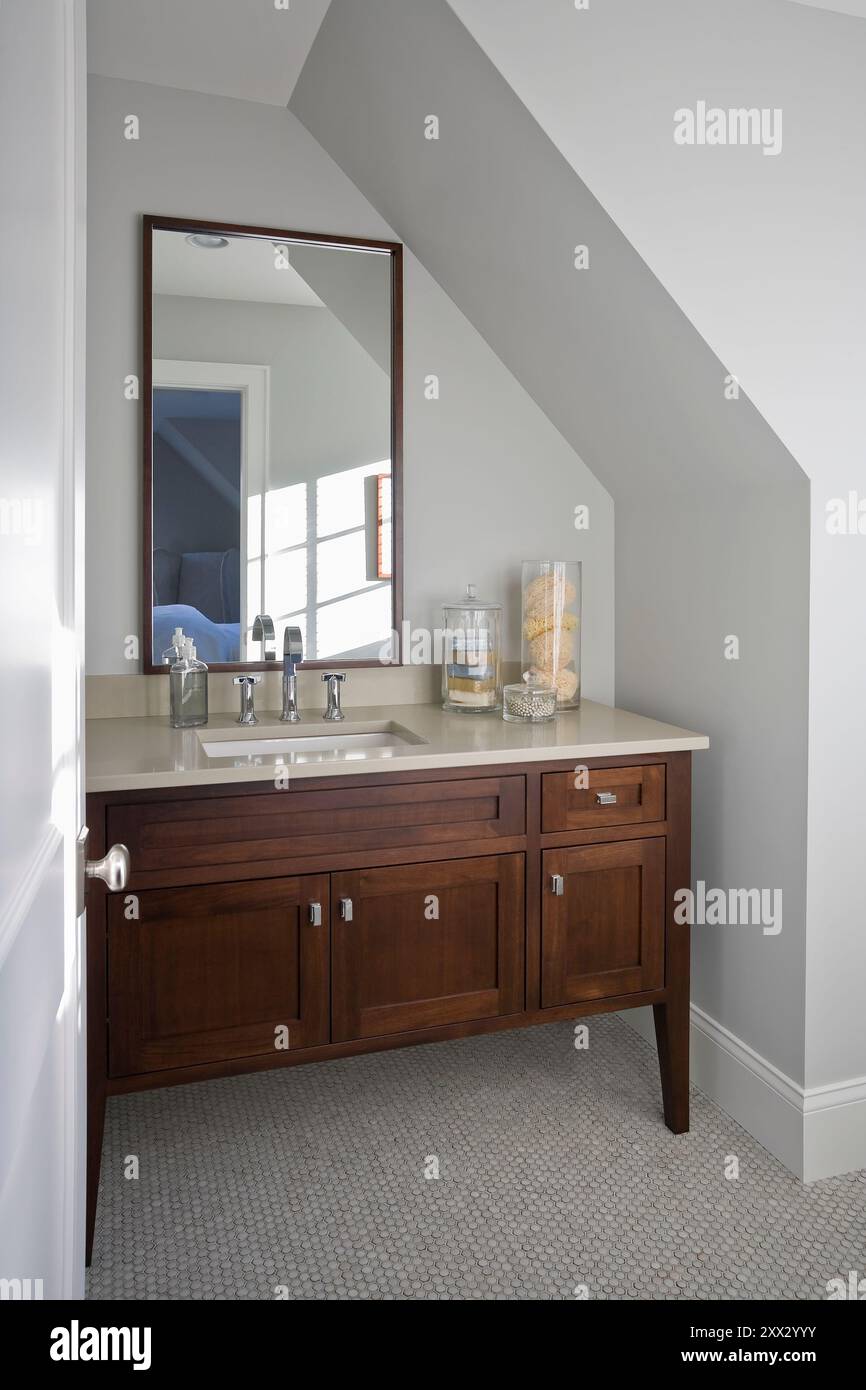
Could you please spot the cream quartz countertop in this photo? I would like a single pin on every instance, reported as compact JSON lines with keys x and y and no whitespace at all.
{"x":137,"y":753}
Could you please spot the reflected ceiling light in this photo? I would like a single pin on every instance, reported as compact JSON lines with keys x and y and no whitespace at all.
{"x":206,"y":241}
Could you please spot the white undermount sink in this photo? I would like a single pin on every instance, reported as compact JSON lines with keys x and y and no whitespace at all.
{"x":305,"y":743}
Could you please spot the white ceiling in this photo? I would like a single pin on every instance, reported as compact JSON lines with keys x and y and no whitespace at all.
{"x":245,"y":269}
{"x":231,"y":48}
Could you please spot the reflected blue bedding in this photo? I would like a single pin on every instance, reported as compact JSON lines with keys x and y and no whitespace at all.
{"x":215,"y":642}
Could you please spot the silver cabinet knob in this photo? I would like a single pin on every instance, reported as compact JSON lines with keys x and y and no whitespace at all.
{"x":113,"y":868}
{"x":606,"y":798}
{"x":557,"y":885}
{"x":346,"y":909}
{"x":314,"y":914}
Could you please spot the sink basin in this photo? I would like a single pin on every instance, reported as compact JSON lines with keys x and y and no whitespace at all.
{"x":323,"y":745}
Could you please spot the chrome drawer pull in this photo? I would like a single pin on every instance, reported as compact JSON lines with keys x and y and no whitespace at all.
{"x":346,"y":909}
{"x":315,"y":914}
{"x":606,"y":798}
{"x":557,"y":885}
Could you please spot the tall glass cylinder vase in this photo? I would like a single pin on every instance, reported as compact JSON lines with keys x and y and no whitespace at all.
{"x":551,"y":626}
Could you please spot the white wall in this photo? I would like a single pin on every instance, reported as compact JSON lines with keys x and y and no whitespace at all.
{"x":488,"y":480}
{"x":765,"y":256}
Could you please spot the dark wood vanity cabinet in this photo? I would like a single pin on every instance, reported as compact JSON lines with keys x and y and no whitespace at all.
{"x":264,"y":927}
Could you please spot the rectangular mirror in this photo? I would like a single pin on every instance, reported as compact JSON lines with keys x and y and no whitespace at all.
{"x":272,"y":448}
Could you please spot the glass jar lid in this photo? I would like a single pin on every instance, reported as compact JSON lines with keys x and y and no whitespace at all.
{"x":471,"y":601}
{"x":530,"y":685}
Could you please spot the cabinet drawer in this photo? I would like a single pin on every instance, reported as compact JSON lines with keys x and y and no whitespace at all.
{"x":613,"y":796}
{"x":213,"y":838}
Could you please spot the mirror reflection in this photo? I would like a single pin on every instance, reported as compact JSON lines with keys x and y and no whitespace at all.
{"x":271,"y":446}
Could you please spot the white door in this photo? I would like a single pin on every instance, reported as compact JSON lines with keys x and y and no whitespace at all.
{"x":42,"y":105}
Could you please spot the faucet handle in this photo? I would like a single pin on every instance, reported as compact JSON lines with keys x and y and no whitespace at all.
{"x":334,"y":680}
{"x":247,"y":686}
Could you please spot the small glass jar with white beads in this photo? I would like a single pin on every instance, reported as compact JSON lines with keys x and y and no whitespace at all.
{"x":528,"y":702}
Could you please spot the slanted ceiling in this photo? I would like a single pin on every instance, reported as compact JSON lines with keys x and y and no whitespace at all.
{"x":855,"y":7}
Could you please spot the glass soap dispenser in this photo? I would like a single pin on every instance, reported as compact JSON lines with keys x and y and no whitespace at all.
{"x":188,"y":690}
{"x":471,"y":655}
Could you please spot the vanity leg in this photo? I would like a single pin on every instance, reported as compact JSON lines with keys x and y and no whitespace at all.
{"x":672,"y":1037}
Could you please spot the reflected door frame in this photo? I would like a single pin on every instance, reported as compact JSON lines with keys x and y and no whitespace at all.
{"x":253,"y":382}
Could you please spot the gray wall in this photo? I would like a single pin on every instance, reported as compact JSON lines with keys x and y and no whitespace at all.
{"x":488,"y":480}
{"x":712,"y":511}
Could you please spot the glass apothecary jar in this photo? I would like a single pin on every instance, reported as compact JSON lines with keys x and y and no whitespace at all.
{"x":471,"y":655}
{"x":551,"y":626}
{"x":528,"y":701}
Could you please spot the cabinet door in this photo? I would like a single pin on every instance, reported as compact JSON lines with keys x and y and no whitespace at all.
{"x":604,"y":933}
{"x":210,"y":974}
{"x":420,"y":945}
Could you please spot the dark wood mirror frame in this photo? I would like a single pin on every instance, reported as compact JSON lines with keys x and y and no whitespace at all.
{"x":152,"y":223}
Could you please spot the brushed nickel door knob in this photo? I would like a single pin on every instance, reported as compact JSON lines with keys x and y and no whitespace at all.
{"x":113,"y":868}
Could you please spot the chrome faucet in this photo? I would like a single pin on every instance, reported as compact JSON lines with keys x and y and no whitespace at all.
{"x":247,"y":686}
{"x":263,"y":631}
{"x":334,"y":681}
{"x":293,"y":652}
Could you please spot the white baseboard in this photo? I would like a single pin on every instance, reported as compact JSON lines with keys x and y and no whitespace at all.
{"x":817,"y":1133}
{"x":835,"y":1130}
